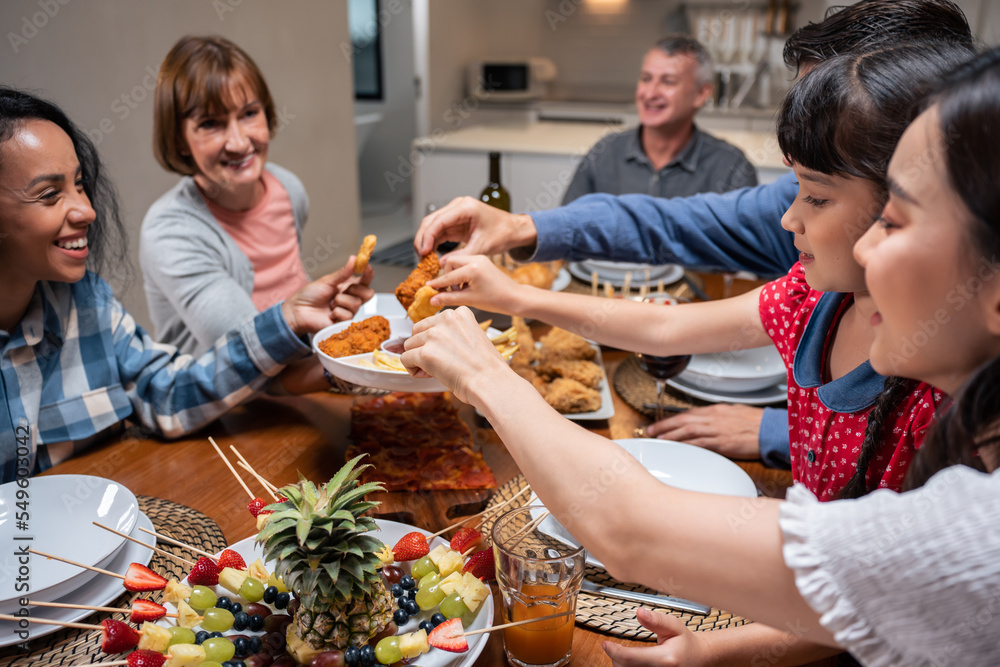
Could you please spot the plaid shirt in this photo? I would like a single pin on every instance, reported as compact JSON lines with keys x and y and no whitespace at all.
{"x":77,"y":364}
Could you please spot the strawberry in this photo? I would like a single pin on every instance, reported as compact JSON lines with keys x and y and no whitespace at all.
{"x":146,"y":610}
{"x":448,"y":637}
{"x":481,"y":565}
{"x":145,"y":658}
{"x":139,"y":578}
{"x":466,"y":538}
{"x":256,"y":506}
{"x":118,"y":636}
{"x":204,"y":573}
{"x":230,"y":558}
{"x":411,"y":547}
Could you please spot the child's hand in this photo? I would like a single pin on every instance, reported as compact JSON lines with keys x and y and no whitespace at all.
{"x":675,"y":644}
{"x":476,"y":282}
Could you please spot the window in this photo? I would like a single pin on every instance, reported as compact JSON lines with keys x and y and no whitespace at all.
{"x":366,"y":42}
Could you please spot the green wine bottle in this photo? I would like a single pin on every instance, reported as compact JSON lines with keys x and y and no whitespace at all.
{"x":494,"y":193}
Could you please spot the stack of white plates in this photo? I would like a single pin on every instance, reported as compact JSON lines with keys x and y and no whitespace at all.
{"x":753,"y":376}
{"x":55,"y":515}
{"x":615,"y":272}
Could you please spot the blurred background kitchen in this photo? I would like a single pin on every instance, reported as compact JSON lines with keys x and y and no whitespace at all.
{"x":381,"y":107}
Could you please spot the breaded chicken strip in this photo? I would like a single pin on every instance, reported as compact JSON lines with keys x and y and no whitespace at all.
{"x":427,"y":269}
{"x":585,"y":372}
{"x":570,"y":397}
{"x":358,"y":338}
{"x":561,"y":344}
{"x":526,"y":352}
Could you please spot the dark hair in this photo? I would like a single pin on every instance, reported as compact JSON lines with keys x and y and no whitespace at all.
{"x":871,"y":24}
{"x":106,"y":236}
{"x":197,"y":76}
{"x":968,"y":106}
{"x":680,"y":44}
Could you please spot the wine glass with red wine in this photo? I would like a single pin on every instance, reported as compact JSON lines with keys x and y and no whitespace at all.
{"x":662,"y":369}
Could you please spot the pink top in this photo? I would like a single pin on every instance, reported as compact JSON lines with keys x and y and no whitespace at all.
{"x":266,"y":235}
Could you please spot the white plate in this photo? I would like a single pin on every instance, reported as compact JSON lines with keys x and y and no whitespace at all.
{"x":676,"y":464}
{"x":614,"y":272}
{"x":97,"y":592}
{"x":774,"y":394}
{"x":382,"y":303}
{"x":390,"y":532}
{"x":736,"y":372}
{"x":60,"y":510}
{"x":562,"y":281}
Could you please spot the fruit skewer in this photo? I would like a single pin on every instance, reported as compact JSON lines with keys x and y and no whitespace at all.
{"x":171,"y":540}
{"x":117,"y":636}
{"x":141,"y":610}
{"x":183,"y":561}
{"x":228,"y":558}
{"x":246,"y":466}
{"x":520,"y":535}
{"x":256,"y":503}
{"x":138,"y":578}
{"x":486,"y":511}
{"x":449,"y":636}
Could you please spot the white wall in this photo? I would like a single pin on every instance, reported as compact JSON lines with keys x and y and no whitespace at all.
{"x":98,"y":58}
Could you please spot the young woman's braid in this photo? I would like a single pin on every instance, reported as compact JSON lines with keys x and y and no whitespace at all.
{"x":876,"y":438}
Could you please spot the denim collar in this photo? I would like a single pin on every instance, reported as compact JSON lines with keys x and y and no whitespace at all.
{"x":853,"y":392}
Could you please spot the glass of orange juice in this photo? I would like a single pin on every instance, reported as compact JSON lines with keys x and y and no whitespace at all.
{"x":537,"y":576}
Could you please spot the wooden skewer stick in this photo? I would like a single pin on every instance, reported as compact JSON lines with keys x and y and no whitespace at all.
{"x":73,"y":562}
{"x":232,"y":469}
{"x":246,"y":464}
{"x":500,"y":506}
{"x":66,"y":605}
{"x":179,"y":543}
{"x":627,"y":287}
{"x":45,"y":621}
{"x":512,"y":624}
{"x":469,"y":551}
{"x":183,"y":561}
{"x":524,"y":532}
{"x":593,"y":283}
{"x":485,"y":511}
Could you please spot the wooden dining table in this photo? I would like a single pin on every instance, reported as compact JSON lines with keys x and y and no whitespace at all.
{"x":283,"y":437}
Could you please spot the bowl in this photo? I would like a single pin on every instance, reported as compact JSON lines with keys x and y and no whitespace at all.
{"x":740,"y":371}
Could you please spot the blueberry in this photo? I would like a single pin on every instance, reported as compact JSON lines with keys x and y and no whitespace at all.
{"x":367,"y":656}
{"x":237,"y":663}
{"x":407,"y":582}
{"x":412,"y":608}
{"x":227,"y":663}
{"x":401,"y":617}
{"x":282,"y":600}
{"x":240,"y":621}
{"x":256,"y":623}
{"x":438,"y":618}
{"x":223,"y":603}
{"x":270,"y":594}
{"x":352,"y":656}
{"x":201,"y":636}
{"x":235,"y":608}
{"x":256,"y":645}
{"x":401,"y":602}
{"x":412,"y":593}
{"x":215,"y":634}
{"x":242,"y":646}
{"x":396,"y":590}
{"x":426,"y":626}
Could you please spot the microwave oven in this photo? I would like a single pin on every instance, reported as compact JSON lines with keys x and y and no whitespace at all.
{"x":511,"y":80}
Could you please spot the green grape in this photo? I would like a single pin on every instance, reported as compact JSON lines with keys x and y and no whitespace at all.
{"x":387,"y":651}
{"x":202,"y":597}
{"x":217,"y":620}
{"x":252,"y":590}
{"x":218,"y":649}
{"x":422,"y":568}
{"x":179,"y":635}
{"x":453,"y":607}
{"x":429,"y":594}
{"x":431,"y":579}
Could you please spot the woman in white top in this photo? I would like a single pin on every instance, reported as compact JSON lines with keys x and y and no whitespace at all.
{"x":896,"y":579}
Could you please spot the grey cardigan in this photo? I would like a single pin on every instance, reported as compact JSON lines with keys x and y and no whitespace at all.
{"x":198,"y":282}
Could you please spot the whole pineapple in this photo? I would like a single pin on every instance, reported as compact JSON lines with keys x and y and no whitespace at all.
{"x":317,"y":540}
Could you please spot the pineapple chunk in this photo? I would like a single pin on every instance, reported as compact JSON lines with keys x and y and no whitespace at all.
{"x":413,"y":644}
{"x":385,"y":555}
{"x":259,"y":572}
{"x":262,"y":520}
{"x":185,"y":655}
{"x":231,"y":579}
{"x":473,"y":591}
{"x":450,"y":562}
{"x":450,"y":583}
{"x":154,"y":637}
{"x":175,"y":592}
{"x":277,"y":582}
{"x":436,"y":554}
{"x":298,"y":649}
{"x":186,"y":616}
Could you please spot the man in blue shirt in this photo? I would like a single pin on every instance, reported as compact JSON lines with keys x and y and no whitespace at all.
{"x":738,"y":230}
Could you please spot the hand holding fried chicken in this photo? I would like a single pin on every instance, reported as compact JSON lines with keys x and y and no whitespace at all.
{"x":476,"y":282}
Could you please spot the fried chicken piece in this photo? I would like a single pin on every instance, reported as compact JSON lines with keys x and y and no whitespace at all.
{"x":364,"y":254}
{"x":561,"y":344}
{"x":427,"y":269}
{"x":536,"y":274}
{"x":585,"y":372}
{"x":358,"y":338}
{"x":570,"y":397}
{"x":421,"y":307}
{"x":526,"y":352}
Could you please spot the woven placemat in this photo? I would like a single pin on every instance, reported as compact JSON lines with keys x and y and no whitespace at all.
{"x":637,"y":388}
{"x":82,"y":647}
{"x":611,"y":615}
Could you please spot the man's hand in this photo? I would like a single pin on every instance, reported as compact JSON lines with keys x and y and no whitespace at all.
{"x":730,"y":430}
{"x":483,"y":229}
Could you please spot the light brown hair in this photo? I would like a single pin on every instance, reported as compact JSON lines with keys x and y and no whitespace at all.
{"x":199,"y":75}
